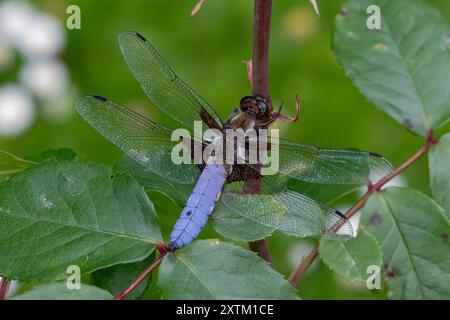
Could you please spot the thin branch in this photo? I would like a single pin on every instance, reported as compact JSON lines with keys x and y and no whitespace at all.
{"x":303,"y":266}
{"x":261,"y":247}
{"x":306,"y":263}
{"x":260,"y":87}
{"x":261,"y":37}
{"x":4,"y":288}
{"x":141,"y":278}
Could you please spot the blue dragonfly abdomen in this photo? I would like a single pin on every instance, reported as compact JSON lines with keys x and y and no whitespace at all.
{"x":199,"y":206}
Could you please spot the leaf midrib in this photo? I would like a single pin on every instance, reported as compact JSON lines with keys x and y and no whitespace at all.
{"x":196,"y":274}
{"x":403,"y":241}
{"x":151,"y":241}
{"x":409,"y":75}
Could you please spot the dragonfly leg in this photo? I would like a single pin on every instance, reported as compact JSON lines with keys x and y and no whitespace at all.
{"x":286,"y":118}
{"x":272,"y":119}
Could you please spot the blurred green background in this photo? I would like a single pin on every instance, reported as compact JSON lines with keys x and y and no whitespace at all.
{"x":206,"y":52}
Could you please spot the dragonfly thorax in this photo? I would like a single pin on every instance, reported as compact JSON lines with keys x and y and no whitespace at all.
{"x":256,"y":105}
{"x":253,"y":111}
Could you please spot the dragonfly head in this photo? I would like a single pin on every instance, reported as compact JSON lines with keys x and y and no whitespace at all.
{"x":255,"y":105}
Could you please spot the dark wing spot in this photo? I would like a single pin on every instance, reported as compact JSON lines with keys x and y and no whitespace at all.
{"x":390,"y":272}
{"x":376,"y":154}
{"x":340,"y":214}
{"x":188,"y":213}
{"x":100,"y":98}
{"x":140,"y":36}
{"x":376,"y":218}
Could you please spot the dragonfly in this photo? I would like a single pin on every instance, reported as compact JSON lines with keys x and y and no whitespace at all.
{"x":240,"y":187}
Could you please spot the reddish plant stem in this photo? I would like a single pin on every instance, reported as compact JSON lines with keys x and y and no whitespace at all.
{"x":260,"y":59}
{"x":306,"y":262}
{"x":141,"y":277}
{"x":4,"y":288}
{"x":261,"y":247}
{"x":260,"y":86}
{"x":303,"y":266}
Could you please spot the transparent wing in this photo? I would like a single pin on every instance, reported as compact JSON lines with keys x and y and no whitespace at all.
{"x":330,"y":166}
{"x":143,"y":140}
{"x":162,"y":85}
{"x":269,"y":203}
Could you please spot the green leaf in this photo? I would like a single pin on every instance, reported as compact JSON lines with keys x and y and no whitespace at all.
{"x":54,"y":155}
{"x":150,"y":180}
{"x":116,"y":278}
{"x":65,"y":213}
{"x":11,"y":164}
{"x":439,"y":160}
{"x":413,"y":234}
{"x":211,"y":269}
{"x":350,"y":259}
{"x":59,"y":291}
{"x":403,"y":68}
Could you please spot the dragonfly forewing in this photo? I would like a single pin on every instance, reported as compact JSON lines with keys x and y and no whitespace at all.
{"x":171,"y":94}
{"x":143,"y":140}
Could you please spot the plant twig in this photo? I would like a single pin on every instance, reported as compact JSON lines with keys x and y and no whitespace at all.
{"x":260,"y":56}
{"x":306,"y":262}
{"x":4,"y":288}
{"x":260,"y":86}
{"x":141,"y":277}
{"x":261,"y":247}
{"x":303,"y":266}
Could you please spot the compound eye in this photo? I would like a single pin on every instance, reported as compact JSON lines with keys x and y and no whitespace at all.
{"x":244,"y":106}
{"x":246,"y":102}
{"x":262,"y":107}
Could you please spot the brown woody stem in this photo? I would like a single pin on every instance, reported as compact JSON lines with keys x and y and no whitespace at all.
{"x":4,"y":288}
{"x":260,"y":84}
{"x":141,"y":278}
{"x":261,"y":247}
{"x":260,"y":59}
